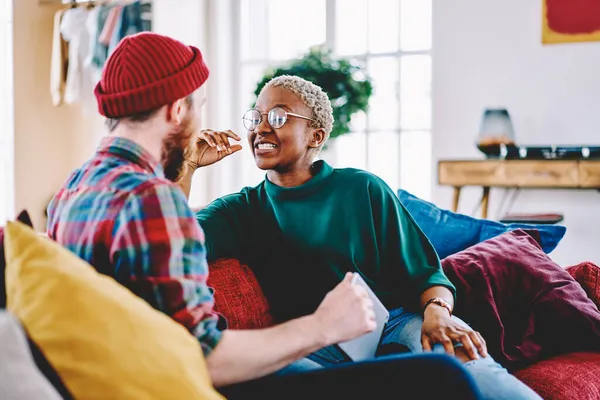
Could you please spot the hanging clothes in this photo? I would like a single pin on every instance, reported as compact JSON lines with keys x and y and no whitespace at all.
{"x":59,"y":62}
{"x":74,"y":31}
{"x":84,"y":38}
{"x":135,"y":18}
{"x":108,"y":30}
{"x":98,"y":51}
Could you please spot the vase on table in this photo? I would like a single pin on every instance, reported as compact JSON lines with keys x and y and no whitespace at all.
{"x":496,"y":138}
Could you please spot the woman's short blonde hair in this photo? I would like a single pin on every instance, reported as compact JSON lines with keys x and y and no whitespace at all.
{"x":311,"y":95}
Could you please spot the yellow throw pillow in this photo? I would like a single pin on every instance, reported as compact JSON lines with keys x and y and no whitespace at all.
{"x":104,"y":342}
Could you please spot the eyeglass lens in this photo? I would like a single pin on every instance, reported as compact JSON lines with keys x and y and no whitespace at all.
{"x":276,"y":117}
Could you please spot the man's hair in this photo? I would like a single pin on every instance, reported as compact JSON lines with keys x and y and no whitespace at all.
{"x":312,"y":96}
{"x":112,"y":123}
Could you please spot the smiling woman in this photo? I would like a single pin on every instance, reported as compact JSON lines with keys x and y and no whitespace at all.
{"x":307,"y":225}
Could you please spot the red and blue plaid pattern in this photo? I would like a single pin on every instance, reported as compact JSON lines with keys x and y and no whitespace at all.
{"x":119,"y":213}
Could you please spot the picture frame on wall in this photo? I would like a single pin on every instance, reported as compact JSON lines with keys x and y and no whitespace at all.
{"x":570,"y":21}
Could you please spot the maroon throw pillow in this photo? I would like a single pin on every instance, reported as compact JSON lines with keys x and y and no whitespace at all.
{"x":565,"y":377}
{"x":588,"y":276}
{"x":525,"y":305}
{"x":238,"y":296}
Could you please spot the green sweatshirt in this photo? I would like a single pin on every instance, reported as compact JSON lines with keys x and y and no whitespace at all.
{"x":301,"y":241}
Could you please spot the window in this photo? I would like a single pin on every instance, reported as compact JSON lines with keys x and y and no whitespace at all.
{"x":392,"y":38}
{"x":6,"y":114}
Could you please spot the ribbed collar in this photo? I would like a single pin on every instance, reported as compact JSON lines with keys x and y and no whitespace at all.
{"x":130,"y":151}
{"x":324,"y":171}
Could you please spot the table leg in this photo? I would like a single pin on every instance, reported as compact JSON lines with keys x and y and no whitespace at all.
{"x":485,"y":202}
{"x":456,"y":198}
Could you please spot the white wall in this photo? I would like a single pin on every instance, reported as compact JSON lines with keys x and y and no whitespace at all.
{"x":489,"y":53}
{"x":49,"y":142}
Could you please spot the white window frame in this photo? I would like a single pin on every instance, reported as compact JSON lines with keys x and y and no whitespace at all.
{"x":330,"y":42}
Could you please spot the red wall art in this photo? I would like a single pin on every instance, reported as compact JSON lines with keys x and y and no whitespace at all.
{"x":569,"y":21}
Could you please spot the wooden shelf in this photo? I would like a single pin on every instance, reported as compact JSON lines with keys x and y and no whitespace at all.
{"x":549,"y":174}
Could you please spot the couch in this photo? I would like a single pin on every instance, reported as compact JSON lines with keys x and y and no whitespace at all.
{"x":574,"y":375}
{"x":239,"y":298}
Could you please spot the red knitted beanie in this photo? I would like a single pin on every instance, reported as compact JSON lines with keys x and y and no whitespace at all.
{"x":147,"y":71}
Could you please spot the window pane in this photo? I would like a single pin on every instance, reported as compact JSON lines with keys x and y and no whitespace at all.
{"x":351,"y":27}
{"x":415,"y":163}
{"x":383,"y":157}
{"x":383,"y":105}
{"x":358,"y":122}
{"x":294,"y":27}
{"x":415,"y":92}
{"x":383,"y":25}
{"x":350,"y":150}
{"x":415,"y":25}
{"x":6,"y":116}
{"x":253,"y":30}
{"x":6,"y":11}
{"x":250,"y":75}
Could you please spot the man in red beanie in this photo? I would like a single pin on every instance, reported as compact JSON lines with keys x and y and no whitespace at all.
{"x":122,"y":213}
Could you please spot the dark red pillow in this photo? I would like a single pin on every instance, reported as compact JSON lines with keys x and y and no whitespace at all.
{"x":565,"y":377}
{"x":526,"y":306}
{"x":238,"y":296}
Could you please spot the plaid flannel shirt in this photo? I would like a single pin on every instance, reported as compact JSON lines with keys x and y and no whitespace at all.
{"x":119,"y":213}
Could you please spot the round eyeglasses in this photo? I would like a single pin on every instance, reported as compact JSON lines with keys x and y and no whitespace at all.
{"x":277,"y":117}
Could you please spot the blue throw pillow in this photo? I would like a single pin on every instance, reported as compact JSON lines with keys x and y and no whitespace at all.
{"x":450,"y":232}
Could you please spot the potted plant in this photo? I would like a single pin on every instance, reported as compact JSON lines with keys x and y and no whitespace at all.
{"x":344,"y":81}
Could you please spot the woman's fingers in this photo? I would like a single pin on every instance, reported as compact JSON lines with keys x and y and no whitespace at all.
{"x":224,"y":138}
{"x":448,"y":345}
{"x":220,"y":140}
{"x":468,"y":345}
{"x":232,"y":135}
{"x":426,"y":343}
{"x":478,"y":341}
{"x":208,"y":137}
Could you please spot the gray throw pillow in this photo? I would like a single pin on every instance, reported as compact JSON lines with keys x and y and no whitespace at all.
{"x":20,"y":378}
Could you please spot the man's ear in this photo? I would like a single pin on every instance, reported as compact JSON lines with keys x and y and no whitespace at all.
{"x":317,"y":138}
{"x":176,"y":111}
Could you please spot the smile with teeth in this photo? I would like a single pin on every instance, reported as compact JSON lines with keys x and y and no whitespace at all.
{"x":266,"y":146}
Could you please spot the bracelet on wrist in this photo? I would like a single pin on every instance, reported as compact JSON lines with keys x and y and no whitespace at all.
{"x":440,"y":302}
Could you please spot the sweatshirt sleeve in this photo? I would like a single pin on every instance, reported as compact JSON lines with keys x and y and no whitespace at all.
{"x":224,"y":224}
{"x":410,"y":259}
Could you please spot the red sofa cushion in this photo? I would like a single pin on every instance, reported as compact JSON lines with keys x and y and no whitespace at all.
{"x":588,"y":276}
{"x":565,"y":377}
{"x":238,"y":296}
{"x":573,"y":375}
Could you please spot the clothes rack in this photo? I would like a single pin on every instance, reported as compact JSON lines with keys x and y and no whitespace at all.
{"x":90,"y":2}
{"x":85,"y":34}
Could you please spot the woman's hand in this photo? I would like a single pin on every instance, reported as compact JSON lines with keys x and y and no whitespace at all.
{"x":440,"y":327}
{"x":210,"y":147}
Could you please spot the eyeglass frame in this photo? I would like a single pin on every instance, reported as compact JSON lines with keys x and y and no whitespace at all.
{"x":287,"y":114}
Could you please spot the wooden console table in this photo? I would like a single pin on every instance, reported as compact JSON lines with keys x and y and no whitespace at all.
{"x":527,"y":174}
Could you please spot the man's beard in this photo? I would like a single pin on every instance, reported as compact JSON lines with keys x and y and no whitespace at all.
{"x":175,"y":149}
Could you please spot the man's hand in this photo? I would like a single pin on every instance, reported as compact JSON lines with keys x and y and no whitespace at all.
{"x":210,"y":147}
{"x":440,"y":327}
{"x":345,"y":313}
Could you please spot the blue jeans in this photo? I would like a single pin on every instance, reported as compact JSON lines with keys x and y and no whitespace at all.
{"x":404,"y":328}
